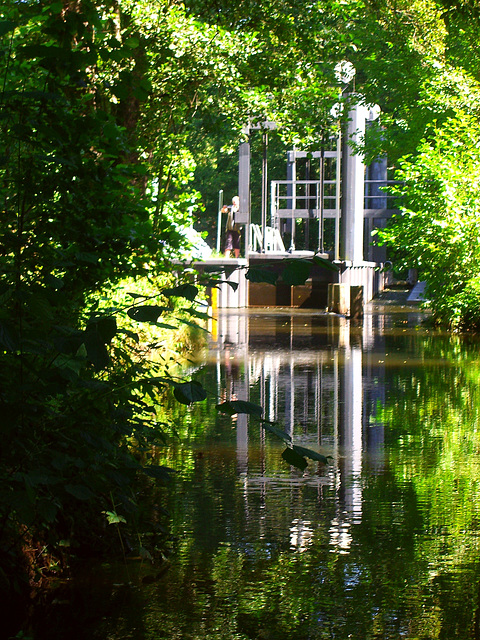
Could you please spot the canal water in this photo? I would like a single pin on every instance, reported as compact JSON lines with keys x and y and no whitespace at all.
{"x":382,"y":543}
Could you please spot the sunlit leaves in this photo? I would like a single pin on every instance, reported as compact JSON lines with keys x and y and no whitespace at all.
{"x":439,"y":228}
{"x":114,"y":518}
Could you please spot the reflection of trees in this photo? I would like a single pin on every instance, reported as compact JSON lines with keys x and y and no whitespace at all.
{"x":434,"y":442}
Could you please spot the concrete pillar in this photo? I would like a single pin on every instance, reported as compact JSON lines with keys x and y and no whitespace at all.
{"x":356,"y":301}
{"x":354,"y":188}
{"x":226,"y":297}
{"x":339,"y":298}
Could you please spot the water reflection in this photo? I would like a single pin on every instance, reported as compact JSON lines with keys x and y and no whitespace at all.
{"x":381,"y":544}
{"x":310,"y":374}
{"x":348,"y":550}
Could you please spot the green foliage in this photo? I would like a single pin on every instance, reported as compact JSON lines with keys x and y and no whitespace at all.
{"x":106,"y":113}
{"x":439,"y":226}
{"x":77,"y":420}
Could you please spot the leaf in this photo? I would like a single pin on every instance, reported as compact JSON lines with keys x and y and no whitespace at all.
{"x":260,"y":274}
{"x":159,"y":473}
{"x":113,"y":517}
{"x":216,"y":284}
{"x":145,"y":313}
{"x":295,"y":459}
{"x":191,"y":323}
{"x":213,"y":269}
{"x":104,"y":327}
{"x":326,"y":264}
{"x":97,"y":352}
{"x":130,"y":334}
{"x":71,"y":365}
{"x":132,"y":42}
{"x":120,"y":89}
{"x":201,"y":315}
{"x":79,"y":491}
{"x":83,"y":256}
{"x":296,"y":272}
{"x":9,"y":337}
{"x":55,"y":7}
{"x":188,"y":392}
{"x":233,"y":407}
{"x":283,"y":435}
{"x":187,"y":291}
{"x":310,"y":453}
{"x":47,"y":509}
{"x":22,"y":504}
{"x":158,"y":381}
{"x":164,"y":325}
{"x":53,"y":282}
{"x":38,"y":478}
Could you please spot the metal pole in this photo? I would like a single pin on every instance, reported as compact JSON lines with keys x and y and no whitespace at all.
{"x":273,"y":211}
{"x":322,"y":188}
{"x":294,"y":202}
{"x":219,"y":220}
{"x":264,"y":188}
{"x":308,"y":203}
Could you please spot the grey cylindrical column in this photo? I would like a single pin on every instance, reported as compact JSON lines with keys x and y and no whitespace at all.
{"x":354,"y":188}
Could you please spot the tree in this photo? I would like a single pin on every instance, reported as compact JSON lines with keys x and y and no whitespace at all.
{"x":73,"y":223}
{"x":439,"y":225}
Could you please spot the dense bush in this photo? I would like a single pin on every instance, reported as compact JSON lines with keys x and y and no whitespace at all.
{"x":439,"y":227}
{"x":74,"y":222}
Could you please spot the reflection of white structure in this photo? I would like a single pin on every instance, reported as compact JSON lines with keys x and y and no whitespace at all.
{"x":314,"y":388}
{"x":340,"y":536}
{"x":353,"y":431}
{"x":301,"y":534}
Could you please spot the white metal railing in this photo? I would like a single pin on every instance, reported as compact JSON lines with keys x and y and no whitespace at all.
{"x":300,"y":199}
{"x":306,"y":199}
{"x":303,"y":199}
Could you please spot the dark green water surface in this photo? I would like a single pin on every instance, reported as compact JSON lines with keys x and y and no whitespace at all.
{"x":381,"y":544}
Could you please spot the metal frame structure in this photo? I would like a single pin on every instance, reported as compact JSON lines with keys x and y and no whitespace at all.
{"x":351,"y":195}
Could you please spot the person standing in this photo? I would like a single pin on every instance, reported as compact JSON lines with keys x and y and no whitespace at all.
{"x":232,"y":237}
